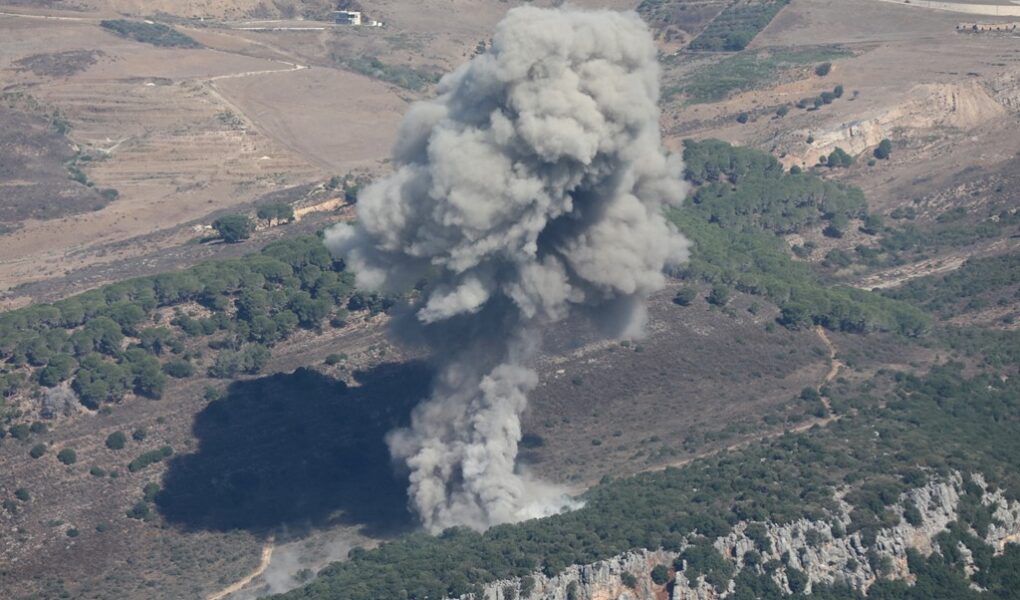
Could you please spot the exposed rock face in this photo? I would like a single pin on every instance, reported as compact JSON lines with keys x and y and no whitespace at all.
{"x":807,"y":546}
{"x":961,"y":107}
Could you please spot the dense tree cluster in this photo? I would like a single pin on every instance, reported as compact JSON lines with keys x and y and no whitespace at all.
{"x":744,"y":199}
{"x":743,"y":188}
{"x":130,"y":336}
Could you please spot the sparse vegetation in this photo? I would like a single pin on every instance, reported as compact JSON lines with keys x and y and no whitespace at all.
{"x":402,"y":76}
{"x":737,"y":25}
{"x":747,"y":70}
{"x":148,"y":32}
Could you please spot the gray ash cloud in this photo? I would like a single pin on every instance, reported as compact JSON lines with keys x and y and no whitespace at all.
{"x":531,"y":187}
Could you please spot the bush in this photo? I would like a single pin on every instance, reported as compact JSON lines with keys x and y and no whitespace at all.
{"x":823,"y":69}
{"x":178,"y":368}
{"x":139,"y":511}
{"x":22,"y":494}
{"x":20,"y":431}
{"x":629,"y":580}
{"x":719,"y":296}
{"x":152,"y":456}
{"x":685,"y":295}
{"x":233,"y":228}
{"x":883,"y":150}
{"x":116,"y":440}
{"x":251,"y":359}
{"x":140,"y":434}
{"x":37,"y":450}
{"x":67,"y":456}
{"x":839,"y":158}
{"x":660,"y":574}
{"x":149,"y":491}
{"x":743,"y":118}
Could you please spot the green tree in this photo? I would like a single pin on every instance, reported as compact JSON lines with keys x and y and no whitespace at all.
{"x":278,"y":211}
{"x":67,"y":456}
{"x":116,"y":440}
{"x":37,"y":450}
{"x":233,"y":228}
{"x":839,"y":158}
{"x":883,"y":150}
{"x":823,"y":69}
{"x":719,"y":296}
{"x":660,"y":574}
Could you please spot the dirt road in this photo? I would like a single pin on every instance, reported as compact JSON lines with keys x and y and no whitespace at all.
{"x":237,"y":586}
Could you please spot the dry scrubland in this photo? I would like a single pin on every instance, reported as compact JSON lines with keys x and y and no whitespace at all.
{"x":183,"y":135}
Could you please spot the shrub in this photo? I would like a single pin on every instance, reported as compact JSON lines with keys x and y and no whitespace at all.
{"x":719,"y":296}
{"x":22,"y":494}
{"x":823,"y":69}
{"x":67,"y":456}
{"x":629,"y":580}
{"x":37,"y":450}
{"x":139,"y":511}
{"x":883,"y":150}
{"x":147,"y":458}
{"x":97,"y":472}
{"x":809,"y":394}
{"x":660,"y":574}
{"x":685,"y":295}
{"x":178,"y":368}
{"x":116,"y":440}
{"x":20,"y":431}
{"x":149,"y":491}
{"x":840,"y":158}
{"x":140,"y":434}
{"x":743,"y":118}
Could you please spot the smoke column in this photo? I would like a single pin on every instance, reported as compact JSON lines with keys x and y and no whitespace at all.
{"x":533,"y":185}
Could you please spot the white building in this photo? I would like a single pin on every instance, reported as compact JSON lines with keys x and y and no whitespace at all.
{"x":347,"y":17}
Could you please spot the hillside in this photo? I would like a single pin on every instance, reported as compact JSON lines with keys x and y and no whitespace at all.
{"x":824,"y":402}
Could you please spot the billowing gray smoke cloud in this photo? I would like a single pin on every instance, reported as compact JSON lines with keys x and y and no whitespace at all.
{"x":533,"y":185}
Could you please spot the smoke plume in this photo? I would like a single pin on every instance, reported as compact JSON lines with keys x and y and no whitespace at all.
{"x":533,"y":185}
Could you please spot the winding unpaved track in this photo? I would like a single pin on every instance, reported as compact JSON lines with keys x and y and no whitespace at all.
{"x":237,"y":586}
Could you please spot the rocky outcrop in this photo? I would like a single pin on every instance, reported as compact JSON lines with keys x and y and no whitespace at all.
{"x":818,"y":549}
{"x":956,"y":106}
